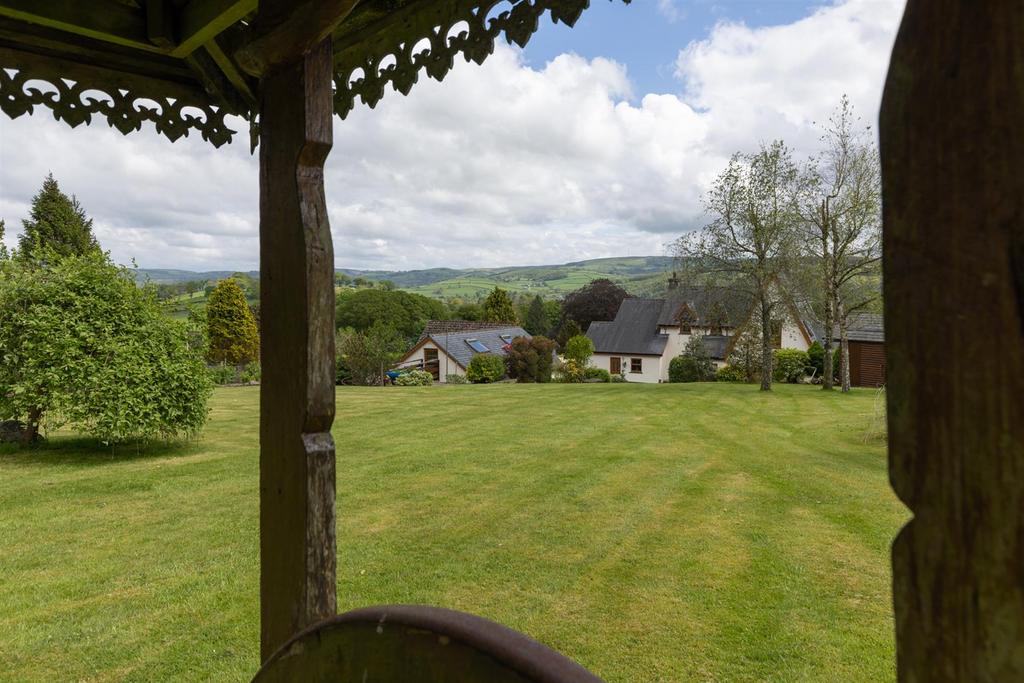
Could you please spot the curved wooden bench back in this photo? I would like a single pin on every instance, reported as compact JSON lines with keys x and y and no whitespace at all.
{"x":416,"y":644}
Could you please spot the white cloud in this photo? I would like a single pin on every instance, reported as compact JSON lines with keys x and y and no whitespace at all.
{"x":777,"y":81}
{"x":500,"y":164}
{"x":670,"y":10}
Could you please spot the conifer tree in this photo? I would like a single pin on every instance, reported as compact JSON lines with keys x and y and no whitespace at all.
{"x":498,"y":307}
{"x":536,"y":317}
{"x":58,"y":223}
{"x":231,"y":326}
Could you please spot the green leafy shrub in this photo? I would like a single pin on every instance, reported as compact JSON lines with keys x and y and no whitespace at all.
{"x":485,"y":368}
{"x":82,"y":344}
{"x":619,"y":379}
{"x":363,"y":357}
{"x":597,"y":374}
{"x":521,"y":360}
{"x":415,"y":378}
{"x":683,"y":369}
{"x":530,"y":360}
{"x":730,"y":373}
{"x":456,"y":379}
{"x":702,"y":362}
{"x":579,"y":349}
{"x":789,"y":365}
{"x":545,"y":357}
{"x":342,"y":372}
{"x":570,"y":371}
{"x":816,"y":359}
{"x":222,"y":373}
{"x":251,"y":373}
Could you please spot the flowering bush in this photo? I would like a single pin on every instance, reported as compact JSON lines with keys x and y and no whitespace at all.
{"x":415,"y":378}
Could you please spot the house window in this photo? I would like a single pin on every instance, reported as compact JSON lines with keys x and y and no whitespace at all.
{"x":477,"y":345}
{"x":507,"y":338}
{"x":636,"y":365}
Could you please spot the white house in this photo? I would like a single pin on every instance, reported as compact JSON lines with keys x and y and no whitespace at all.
{"x":446,"y":346}
{"x":648,"y":333}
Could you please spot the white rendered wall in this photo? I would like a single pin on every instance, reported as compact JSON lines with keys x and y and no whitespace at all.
{"x":447,"y":365}
{"x":651,"y":366}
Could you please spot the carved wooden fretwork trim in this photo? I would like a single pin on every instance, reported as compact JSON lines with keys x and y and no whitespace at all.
{"x":79,"y":97}
{"x":426,"y":42}
{"x":392,"y":49}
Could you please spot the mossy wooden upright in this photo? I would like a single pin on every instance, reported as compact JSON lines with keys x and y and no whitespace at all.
{"x":953,"y":174}
{"x":297,"y":529}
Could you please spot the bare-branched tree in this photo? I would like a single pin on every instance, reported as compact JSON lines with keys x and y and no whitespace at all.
{"x":840,"y":206}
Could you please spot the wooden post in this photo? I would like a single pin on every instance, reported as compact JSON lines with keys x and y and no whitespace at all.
{"x":953,"y":170}
{"x":297,"y":535}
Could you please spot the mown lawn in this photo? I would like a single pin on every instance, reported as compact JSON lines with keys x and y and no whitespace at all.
{"x":654,"y":533}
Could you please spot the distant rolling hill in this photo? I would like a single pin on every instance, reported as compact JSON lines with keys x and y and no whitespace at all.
{"x":640,"y":275}
{"x":166,"y":276}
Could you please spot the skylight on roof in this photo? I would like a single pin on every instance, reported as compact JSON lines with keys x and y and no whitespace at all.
{"x":507,"y":338}
{"x":477,"y":345}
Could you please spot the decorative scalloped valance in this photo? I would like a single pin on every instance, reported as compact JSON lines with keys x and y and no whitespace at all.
{"x":387,"y":42}
{"x":85,"y":92}
{"x":426,"y":42}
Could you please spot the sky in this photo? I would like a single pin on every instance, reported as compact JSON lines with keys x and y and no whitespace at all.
{"x":595,"y":141}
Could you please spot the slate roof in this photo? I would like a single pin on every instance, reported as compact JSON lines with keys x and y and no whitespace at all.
{"x":864,"y":327}
{"x":455,"y":343}
{"x":710,"y":306}
{"x":435,"y":327}
{"x":634,"y":330}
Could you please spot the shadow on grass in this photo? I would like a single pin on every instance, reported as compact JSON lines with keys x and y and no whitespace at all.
{"x":86,"y":451}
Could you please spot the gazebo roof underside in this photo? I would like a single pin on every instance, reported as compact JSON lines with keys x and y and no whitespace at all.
{"x":186,"y":64}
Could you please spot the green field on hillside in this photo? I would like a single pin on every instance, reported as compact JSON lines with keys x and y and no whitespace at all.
{"x":703,"y":532}
{"x":640,"y":275}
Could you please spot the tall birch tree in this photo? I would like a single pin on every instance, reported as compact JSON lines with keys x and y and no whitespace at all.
{"x":840,"y":205}
{"x":752,"y":238}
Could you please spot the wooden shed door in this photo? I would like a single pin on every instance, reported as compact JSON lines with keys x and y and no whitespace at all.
{"x":616,"y":366}
{"x":431,"y":364}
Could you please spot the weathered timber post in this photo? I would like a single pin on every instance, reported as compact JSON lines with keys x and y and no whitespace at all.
{"x":297,"y":535}
{"x":952,"y":148}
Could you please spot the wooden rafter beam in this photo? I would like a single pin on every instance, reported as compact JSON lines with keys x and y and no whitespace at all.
{"x":200,"y":21}
{"x":232,"y":73}
{"x":105,"y":20}
{"x":283,"y":32}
